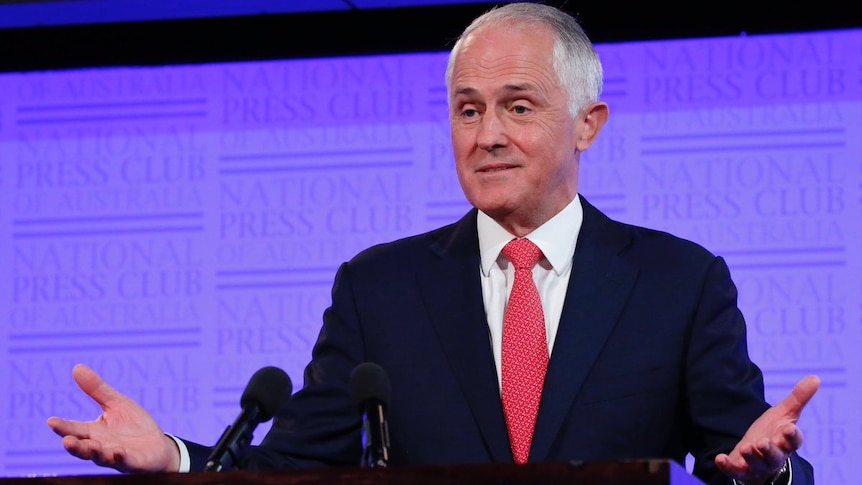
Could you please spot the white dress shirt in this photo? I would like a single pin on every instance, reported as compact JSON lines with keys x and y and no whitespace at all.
{"x":556,"y":238}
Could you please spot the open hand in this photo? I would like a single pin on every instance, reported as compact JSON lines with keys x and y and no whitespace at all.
{"x":770,"y":440}
{"x":125,"y":437}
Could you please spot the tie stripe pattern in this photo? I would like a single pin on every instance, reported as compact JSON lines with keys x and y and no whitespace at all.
{"x":524,"y":349}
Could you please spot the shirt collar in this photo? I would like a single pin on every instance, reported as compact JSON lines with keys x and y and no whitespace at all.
{"x":556,"y":237}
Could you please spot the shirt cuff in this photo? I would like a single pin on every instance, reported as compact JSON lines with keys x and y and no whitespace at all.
{"x":785,"y":478}
{"x":185,"y":461}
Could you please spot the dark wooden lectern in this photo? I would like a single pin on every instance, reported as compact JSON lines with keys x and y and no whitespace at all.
{"x":637,"y":472}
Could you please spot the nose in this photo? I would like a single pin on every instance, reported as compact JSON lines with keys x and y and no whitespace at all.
{"x":492,"y":132}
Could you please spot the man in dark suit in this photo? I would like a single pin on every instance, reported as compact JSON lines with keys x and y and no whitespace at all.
{"x":648,"y":353}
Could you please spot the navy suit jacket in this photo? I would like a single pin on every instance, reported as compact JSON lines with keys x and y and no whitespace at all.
{"x":650,"y":359}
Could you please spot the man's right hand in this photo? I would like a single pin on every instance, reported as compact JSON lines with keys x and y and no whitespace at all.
{"x":125,"y":437}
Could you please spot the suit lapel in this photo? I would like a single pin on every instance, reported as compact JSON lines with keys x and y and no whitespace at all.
{"x":453,"y":296}
{"x":600,"y":283}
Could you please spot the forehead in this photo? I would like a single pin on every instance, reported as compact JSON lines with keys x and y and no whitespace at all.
{"x":505,"y":54}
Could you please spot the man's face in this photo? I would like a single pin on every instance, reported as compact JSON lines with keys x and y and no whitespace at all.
{"x":514,"y":140}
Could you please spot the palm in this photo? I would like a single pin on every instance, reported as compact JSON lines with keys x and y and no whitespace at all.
{"x":124,"y":437}
{"x":771,"y":438}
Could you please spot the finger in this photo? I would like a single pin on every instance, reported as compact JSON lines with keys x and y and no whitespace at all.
{"x":724,"y":463}
{"x":765,"y":459}
{"x":771,"y":455}
{"x":63,"y":427}
{"x":93,"y":385}
{"x":81,"y":448}
{"x":110,"y":457}
{"x":750,"y":454}
{"x":736,"y":459}
{"x":792,"y":437}
{"x":92,"y":450}
{"x":722,"y":460}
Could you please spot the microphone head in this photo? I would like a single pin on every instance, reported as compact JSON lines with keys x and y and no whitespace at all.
{"x":267,"y":388}
{"x":369,"y":381}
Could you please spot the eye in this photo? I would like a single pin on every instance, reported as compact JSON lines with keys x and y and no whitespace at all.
{"x":469,"y":113}
{"x":520,"y":109}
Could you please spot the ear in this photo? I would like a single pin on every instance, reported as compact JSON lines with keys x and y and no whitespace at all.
{"x":589,"y":124}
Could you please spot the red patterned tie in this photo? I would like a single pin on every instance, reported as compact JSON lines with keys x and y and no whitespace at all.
{"x":525,"y":349}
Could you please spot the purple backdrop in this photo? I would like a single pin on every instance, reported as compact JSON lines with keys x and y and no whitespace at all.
{"x":178,"y":227}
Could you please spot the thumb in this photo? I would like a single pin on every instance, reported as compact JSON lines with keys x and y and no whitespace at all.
{"x":801,"y":394}
{"x":94,"y":386}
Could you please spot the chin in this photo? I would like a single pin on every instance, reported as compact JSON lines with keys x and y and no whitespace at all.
{"x":495,"y":211}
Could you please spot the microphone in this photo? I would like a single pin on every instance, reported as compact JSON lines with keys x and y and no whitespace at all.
{"x":370,"y":391}
{"x":263,"y":395}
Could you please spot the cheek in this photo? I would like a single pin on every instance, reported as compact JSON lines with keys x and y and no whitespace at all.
{"x":459,"y":137}
{"x":558,"y":131}
{"x":463,"y":147}
{"x":544,"y":146}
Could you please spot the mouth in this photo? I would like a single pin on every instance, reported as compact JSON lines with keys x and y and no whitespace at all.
{"x":495,"y":168}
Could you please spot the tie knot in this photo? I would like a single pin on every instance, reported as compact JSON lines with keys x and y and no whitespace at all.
{"x":522,"y":253}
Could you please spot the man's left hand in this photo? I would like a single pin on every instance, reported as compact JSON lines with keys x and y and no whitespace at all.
{"x":770,"y":440}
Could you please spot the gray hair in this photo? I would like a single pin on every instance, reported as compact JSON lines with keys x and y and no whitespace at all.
{"x":575,"y":59}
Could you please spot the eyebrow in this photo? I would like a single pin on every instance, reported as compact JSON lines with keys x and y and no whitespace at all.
{"x":508,"y":88}
{"x":466,"y":91}
{"x":516,"y":88}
